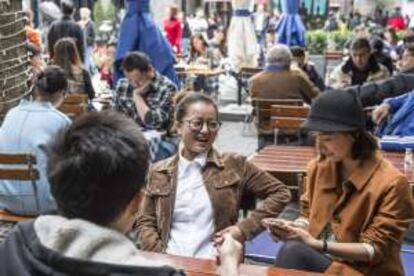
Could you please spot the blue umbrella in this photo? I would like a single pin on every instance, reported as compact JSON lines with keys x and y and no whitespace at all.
{"x":290,"y":29}
{"x":139,"y":32}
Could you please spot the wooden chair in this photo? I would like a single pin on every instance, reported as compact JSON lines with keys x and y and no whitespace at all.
{"x":21,"y":168}
{"x":74,"y":105}
{"x":262,"y":111}
{"x":331,"y":59}
{"x":288,"y":119}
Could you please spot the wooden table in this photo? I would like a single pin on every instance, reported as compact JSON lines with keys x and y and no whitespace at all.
{"x":194,"y":267}
{"x":293,"y":159}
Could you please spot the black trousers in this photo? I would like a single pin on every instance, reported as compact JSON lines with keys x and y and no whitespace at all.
{"x":297,"y":255}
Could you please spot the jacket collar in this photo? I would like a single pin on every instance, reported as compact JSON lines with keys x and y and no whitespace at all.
{"x":170,"y":164}
{"x":359,"y":178}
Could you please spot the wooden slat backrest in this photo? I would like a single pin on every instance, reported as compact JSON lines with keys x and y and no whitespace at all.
{"x":333,"y":55}
{"x":76,"y":99}
{"x":289,"y":111}
{"x":24,"y":172}
{"x":74,"y":105}
{"x":290,"y":123}
{"x":250,"y":71}
{"x":27,"y":173}
{"x":262,"y":110}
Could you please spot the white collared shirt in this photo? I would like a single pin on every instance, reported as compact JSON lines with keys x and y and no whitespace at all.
{"x":192,"y":226}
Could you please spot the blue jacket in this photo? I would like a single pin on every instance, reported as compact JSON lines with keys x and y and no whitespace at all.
{"x":27,"y":128}
{"x":402,"y":119}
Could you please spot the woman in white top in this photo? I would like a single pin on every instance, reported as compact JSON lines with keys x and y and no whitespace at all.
{"x":193,"y":198}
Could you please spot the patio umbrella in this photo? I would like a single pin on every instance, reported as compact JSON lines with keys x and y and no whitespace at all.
{"x":290,"y":29}
{"x":243,"y":49}
{"x":139,"y":32}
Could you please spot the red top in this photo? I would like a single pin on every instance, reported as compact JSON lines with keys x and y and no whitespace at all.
{"x":173,"y":32}
{"x":397,"y":22}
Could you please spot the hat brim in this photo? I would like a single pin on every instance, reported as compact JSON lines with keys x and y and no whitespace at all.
{"x":322,"y":125}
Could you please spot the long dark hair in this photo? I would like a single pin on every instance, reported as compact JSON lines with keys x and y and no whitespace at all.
{"x":193,"y":51}
{"x":66,"y":55}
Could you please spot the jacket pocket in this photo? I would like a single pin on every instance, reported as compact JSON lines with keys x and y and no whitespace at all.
{"x":226,"y":179}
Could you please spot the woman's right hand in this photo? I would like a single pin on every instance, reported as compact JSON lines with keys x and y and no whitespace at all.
{"x":380,"y":113}
{"x":278,"y":228}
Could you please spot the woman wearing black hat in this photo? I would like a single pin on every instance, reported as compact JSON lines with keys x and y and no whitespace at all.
{"x":356,"y":206}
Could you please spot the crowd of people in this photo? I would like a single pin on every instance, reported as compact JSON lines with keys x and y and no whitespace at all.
{"x":102,"y":199}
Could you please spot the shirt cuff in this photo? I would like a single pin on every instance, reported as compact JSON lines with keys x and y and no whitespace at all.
{"x":370,"y":250}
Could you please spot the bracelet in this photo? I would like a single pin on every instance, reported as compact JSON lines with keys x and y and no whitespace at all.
{"x":325,"y":246}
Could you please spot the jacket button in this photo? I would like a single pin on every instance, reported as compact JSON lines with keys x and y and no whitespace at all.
{"x":157,"y":190}
{"x":226,"y":182}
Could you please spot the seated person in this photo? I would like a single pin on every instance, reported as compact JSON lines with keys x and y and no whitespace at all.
{"x":65,"y":54}
{"x":381,"y":55}
{"x":400,"y":108}
{"x":193,"y":198}
{"x":202,"y":55}
{"x":356,"y":206}
{"x":277,"y":81}
{"x":145,"y":95}
{"x":27,"y":128}
{"x":299,"y":56}
{"x":97,"y":169}
{"x":359,"y":68}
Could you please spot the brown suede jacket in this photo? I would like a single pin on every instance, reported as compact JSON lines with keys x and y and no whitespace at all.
{"x":227,"y":177}
{"x":378,"y":210}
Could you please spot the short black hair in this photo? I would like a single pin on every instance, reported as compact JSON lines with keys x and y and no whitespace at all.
{"x":51,"y":80}
{"x":67,"y":7}
{"x":360,"y":43}
{"x":297,"y":51}
{"x":96,"y":166}
{"x":136,"y":61}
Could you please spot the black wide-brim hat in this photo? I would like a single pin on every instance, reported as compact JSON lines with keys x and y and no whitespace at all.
{"x":336,"y":111}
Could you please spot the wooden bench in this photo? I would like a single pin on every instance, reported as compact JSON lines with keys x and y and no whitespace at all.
{"x":74,"y":105}
{"x":288,"y":119}
{"x":24,"y":172}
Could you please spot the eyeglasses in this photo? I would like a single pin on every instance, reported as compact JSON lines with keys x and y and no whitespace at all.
{"x":197,"y":124}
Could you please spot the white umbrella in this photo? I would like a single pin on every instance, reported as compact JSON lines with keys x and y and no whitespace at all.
{"x":243,"y":49}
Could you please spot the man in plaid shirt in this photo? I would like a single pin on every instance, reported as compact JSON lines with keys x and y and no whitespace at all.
{"x":145,"y":95}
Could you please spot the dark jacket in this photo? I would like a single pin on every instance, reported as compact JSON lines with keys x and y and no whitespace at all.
{"x":23,"y":254}
{"x":66,"y":27}
{"x":373,"y":93}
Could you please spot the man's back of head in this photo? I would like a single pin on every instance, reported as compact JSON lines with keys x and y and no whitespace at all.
{"x":96,"y":166}
{"x":279,"y":55}
{"x":67,"y":7}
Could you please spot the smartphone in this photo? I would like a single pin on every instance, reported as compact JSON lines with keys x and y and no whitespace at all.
{"x":269,"y":222}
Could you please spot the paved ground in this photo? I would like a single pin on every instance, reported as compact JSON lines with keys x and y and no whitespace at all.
{"x":231,"y":138}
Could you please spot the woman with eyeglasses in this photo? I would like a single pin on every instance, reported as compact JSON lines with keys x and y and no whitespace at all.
{"x":193,"y":198}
